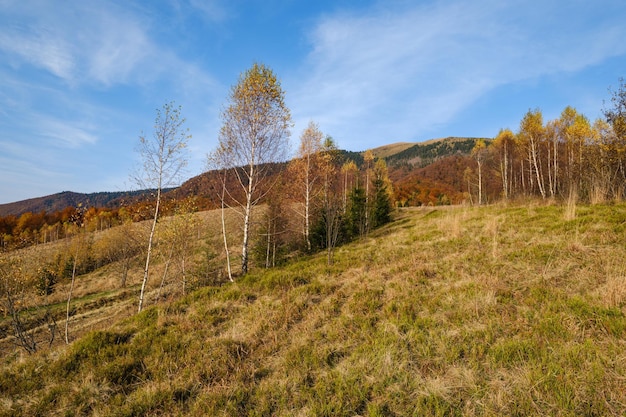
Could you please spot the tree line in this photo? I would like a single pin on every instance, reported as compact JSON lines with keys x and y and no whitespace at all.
{"x":566,"y":158}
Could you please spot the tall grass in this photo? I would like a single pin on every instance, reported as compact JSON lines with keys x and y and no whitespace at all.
{"x":466,"y":311}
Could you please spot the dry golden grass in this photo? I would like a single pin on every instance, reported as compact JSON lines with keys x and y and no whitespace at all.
{"x":485,"y":311}
{"x":392,"y":149}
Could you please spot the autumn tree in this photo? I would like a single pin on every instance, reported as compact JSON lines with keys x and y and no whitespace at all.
{"x":502,"y":147}
{"x":368,"y":158}
{"x":305,"y":172}
{"x":177,"y":237}
{"x":616,"y":114}
{"x":615,"y":137}
{"x":121,"y":244}
{"x":78,"y":223}
{"x":273,"y":236}
{"x":30,"y":328}
{"x":601,"y":175}
{"x":479,"y":153}
{"x":332,"y":202}
{"x":574,"y":130}
{"x":553,"y":144}
{"x":532,"y":134}
{"x":163,"y":156}
{"x":254,"y":135}
{"x":349,"y":170}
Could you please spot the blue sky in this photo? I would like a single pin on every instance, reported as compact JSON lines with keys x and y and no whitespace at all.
{"x":80,"y":80}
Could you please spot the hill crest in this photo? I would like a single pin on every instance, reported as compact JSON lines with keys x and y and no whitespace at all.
{"x":418,"y":154}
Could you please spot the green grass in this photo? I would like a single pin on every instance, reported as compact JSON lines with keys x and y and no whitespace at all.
{"x":461,"y":311}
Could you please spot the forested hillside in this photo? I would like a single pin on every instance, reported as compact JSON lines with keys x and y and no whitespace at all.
{"x":59,"y":202}
{"x":423,"y":154}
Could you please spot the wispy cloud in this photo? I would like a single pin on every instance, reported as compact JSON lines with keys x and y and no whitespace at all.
{"x":89,"y":44}
{"x":66,"y":133}
{"x":417,"y":66}
{"x":212,"y":10}
{"x":78,"y":43}
{"x":40,"y":48}
{"x":119,"y":51}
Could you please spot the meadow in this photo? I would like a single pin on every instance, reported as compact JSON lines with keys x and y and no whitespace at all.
{"x":459,"y":311}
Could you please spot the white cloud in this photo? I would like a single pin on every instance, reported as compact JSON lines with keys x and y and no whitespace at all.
{"x":66,"y":133}
{"x":101,"y":44}
{"x":417,"y":66}
{"x":212,"y":10}
{"x":118,"y":51}
{"x":39,"y":48}
{"x":76,"y":42}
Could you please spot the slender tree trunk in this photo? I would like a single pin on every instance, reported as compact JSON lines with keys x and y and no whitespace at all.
{"x":246,"y":222}
{"x":125,"y":267}
{"x":345,"y":192}
{"x":538,"y":172}
{"x":307,"y":204}
{"x":184,"y":275}
{"x":367,"y":199}
{"x":274,"y":253}
{"x":480,"y":184}
{"x":269,"y":241}
{"x":246,"y":237}
{"x":550,"y":179}
{"x":524,"y":190}
{"x":504,"y":171}
{"x":69,"y":298}
{"x":150,"y":239}
{"x":230,"y":273}
{"x":167,"y":267}
{"x":555,"y":167}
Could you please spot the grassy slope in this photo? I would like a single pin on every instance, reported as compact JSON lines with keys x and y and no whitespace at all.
{"x":391,"y":149}
{"x":464,"y":311}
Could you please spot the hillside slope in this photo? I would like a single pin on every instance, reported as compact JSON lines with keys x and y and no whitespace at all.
{"x":423,"y":154}
{"x":458,"y":311}
{"x":59,"y":201}
{"x":204,"y":185}
{"x":391,"y":149}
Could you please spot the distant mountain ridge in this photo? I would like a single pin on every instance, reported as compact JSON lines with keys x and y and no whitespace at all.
{"x":425,"y":153}
{"x":414,"y":154}
{"x":57,"y":202}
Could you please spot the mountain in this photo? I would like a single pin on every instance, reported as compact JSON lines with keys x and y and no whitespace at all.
{"x":431,"y":172}
{"x":398,"y":155}
{"x":386,"y":151}
{"x":59,"y":201}
{"x":425,"y":153}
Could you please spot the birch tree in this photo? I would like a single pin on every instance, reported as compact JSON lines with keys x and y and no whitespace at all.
{"x":532,"y":132}
{"x":479,"y":153}
{"x":305,"y":171}
{"x":332,"y":200}
{"x":616,"y":115}
{"x":503,"y":145}
{"x":164,"y":155}
{"x":368,"y":158}
{"x":254,"y":134}
{"x":78,"y":221}
{"x":616,"y":118}
{"x":348,"y":169}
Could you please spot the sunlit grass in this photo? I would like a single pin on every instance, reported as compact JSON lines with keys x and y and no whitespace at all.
{"x":464,"y":311}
